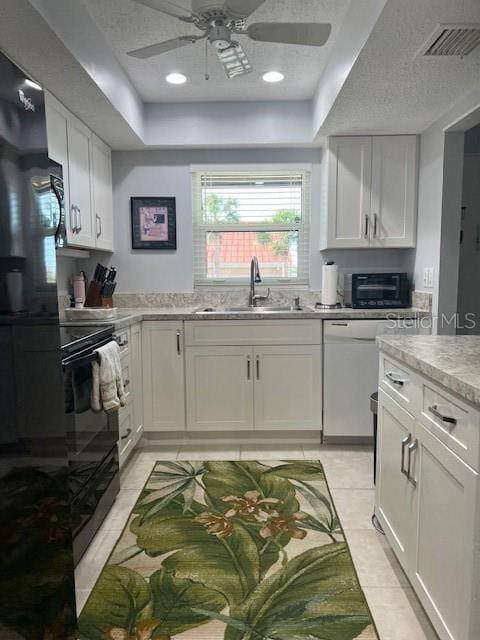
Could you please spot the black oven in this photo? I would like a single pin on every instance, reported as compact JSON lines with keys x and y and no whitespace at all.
{"x":377,"y":290}
{"x":91,"y":438}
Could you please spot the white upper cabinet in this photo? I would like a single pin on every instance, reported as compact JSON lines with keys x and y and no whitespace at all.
{"x":372,"y":192}
{"x":102,"y":194}
{"x":349,"y":187}
{"x":394,"y":191}
{"x":87,"y":176}
{"x":80,"y":173}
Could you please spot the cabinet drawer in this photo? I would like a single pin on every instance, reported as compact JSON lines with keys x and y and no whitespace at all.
{"x":123,"y":339}
{"x":453,"y":422}
{"x":237,"y":332}
{"x":400,"y":383}
{"x":127,"y":377}
{"x":127,"y":436}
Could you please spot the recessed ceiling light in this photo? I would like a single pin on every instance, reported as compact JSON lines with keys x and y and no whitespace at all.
{"x":273,"y":76}
{"x":176,"y":78}
{"x":32,"y":84}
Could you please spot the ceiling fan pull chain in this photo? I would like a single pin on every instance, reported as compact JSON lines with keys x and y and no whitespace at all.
{"x":207,"y":75}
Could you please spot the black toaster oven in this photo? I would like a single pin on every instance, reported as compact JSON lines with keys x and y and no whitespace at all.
{"x":377,"y":290}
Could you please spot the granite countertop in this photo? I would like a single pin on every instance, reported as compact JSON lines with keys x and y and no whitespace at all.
{"x":452,"y":361}
{"x":128,"y":317}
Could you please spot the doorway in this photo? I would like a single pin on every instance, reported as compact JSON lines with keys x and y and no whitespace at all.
{"x":468,"y":299}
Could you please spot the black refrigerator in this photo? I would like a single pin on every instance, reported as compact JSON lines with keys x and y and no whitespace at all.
{"x":37,"y":594}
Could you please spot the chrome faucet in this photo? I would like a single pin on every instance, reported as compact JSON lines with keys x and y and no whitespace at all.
{"x":255,"y":279}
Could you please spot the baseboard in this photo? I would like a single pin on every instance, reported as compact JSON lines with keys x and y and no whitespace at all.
{"x":299,"y":438}
{"x":368,"y":440}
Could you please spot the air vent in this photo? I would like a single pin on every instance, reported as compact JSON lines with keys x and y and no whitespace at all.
{"x":451,"y":40}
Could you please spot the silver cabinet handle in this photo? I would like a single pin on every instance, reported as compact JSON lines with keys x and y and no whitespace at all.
{"x":375,"y":225}
{"x":257,"y":361}
{"x":367,"y":225}
{"x":179,"y":348}
{"x":99,"y":225}
{"x":120,"y":342}
{"x":448,"y":419}
{"x":73,"y":219}
{"x":393,"y":378}
{"x":80,"y":226}
{"x":249,"y":364}
{"x":127,"y":434}
{"x":405,"y":441}
{"x":126,"y":384}
{"x":339,"y":324}
{"x":411,"y":448}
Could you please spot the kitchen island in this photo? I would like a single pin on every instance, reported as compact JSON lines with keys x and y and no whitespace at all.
{"x":428,"y":464}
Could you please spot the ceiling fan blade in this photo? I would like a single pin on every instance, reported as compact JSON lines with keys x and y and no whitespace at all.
{"x":169,"y":8}
{"x":239,"y":9}
{"x":162,"y":47}
{"x":234,"y":61}
{"x":306,"y":33}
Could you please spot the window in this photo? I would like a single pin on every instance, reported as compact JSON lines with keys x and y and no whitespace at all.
{"x":238,"y":215}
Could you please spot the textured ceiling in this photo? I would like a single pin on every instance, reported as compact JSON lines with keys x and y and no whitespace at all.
{"x":388,"y":91}
{"x":127,"y":25}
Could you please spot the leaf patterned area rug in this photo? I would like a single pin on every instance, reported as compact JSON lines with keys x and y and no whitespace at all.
{"x":230,"y":551}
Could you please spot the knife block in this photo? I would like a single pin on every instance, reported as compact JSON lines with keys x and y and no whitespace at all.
{"x":107,"y":302}
{"x":93,"y":298}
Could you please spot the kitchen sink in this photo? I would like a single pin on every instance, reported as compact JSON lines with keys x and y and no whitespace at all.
{"x":246,"y":309}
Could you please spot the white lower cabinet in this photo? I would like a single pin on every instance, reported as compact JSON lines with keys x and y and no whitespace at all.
{"x":445,"y":562}
{"x":163,"y":376}
{"x":288,"y":384}
{"x":137,"y":375}
{"x":395,"y":494}
{"x":249,"y":384}
{"x":428,"y":502}
{"x":219,"y":388}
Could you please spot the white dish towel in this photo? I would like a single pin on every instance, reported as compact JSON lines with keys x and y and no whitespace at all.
{"x":107,"y":388}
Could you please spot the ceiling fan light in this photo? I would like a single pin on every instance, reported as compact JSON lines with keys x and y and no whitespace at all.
{"x":273,"y":76}
{"x":235,"y":61}
{"x":176,"y":78}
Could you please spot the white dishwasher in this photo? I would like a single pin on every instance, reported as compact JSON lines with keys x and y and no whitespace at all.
{"x":350,"y":377}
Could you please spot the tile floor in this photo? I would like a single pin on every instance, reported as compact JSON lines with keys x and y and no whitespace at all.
{"x":395,"y":608}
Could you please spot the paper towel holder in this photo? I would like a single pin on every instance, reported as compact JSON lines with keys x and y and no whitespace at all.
{"x":336,"y":305}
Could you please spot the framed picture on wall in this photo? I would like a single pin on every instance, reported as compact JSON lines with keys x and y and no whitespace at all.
{"x":154,"y":223}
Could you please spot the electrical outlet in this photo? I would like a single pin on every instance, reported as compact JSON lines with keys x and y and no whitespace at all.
{"x":428,"y":276}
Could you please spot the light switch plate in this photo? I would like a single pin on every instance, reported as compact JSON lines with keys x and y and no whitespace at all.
{"x":428,"y":276}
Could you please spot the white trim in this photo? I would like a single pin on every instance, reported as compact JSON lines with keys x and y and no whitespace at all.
{"x":267,"y":167}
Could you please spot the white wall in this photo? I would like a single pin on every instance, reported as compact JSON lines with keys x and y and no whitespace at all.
{"x":431,"y":194}
{"x":167,"y":173}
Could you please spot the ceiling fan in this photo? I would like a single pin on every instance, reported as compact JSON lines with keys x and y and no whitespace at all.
{"x":220,"y":21}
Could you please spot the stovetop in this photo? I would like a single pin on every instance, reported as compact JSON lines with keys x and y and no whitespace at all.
{"x":74,"y":339}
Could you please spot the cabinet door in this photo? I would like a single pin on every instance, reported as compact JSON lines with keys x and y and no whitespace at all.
{"x":445,"y":568}
{"x":219,"y":388}
{"x":57,"y":126}
{"x":163,"y":376}
{"x":349,"y":185}
{"x":136,"y":359}
{"x":102,"y":194}
{"x":394,"y":191}
{"x":288,"y":387}
{"x":395,"y":494}
{"x":80,"y":187}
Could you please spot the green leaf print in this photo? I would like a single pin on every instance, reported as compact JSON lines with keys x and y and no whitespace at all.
{"x":174,"y":601}
{"x":309,"y":470}
{"x":228,"y":564}
{"x":315,"y":596}
{"x":121,"y":599}
{"x":224,"y":479}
